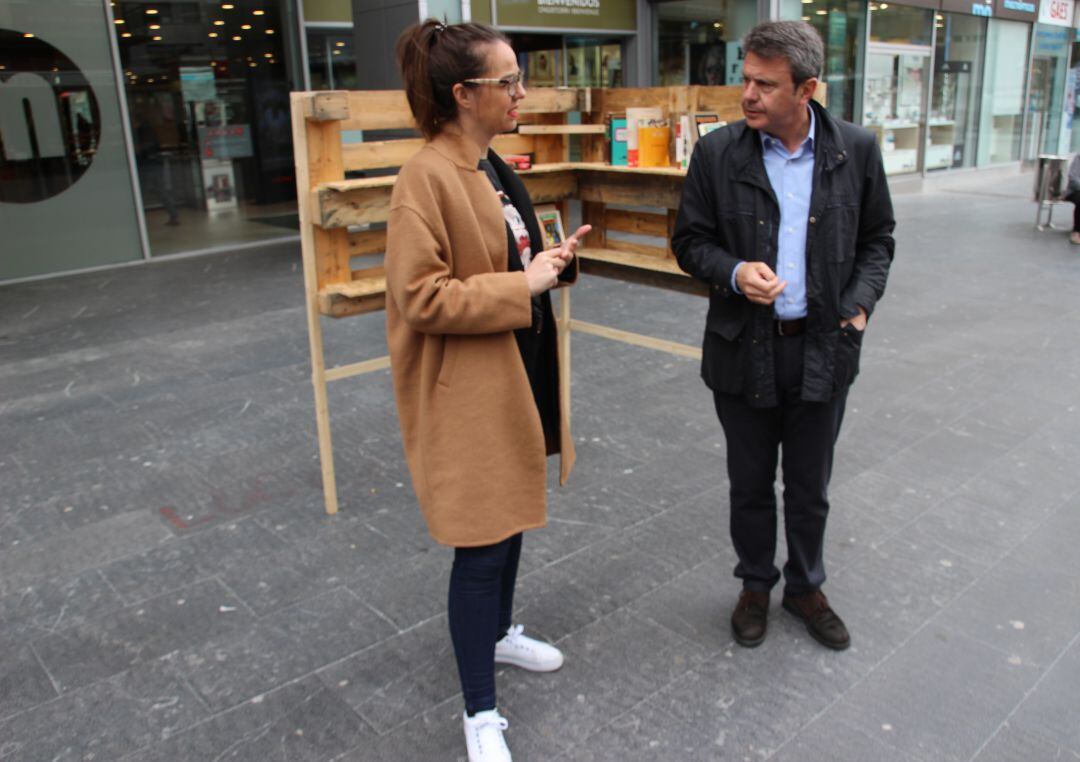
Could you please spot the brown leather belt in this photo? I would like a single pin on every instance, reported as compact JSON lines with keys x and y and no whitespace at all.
{"x":790,"y":327}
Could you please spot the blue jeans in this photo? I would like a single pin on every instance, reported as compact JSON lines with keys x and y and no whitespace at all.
{"x":480,"y":604}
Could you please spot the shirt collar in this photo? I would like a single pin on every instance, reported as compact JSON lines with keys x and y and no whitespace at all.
{"x":768,"y":141}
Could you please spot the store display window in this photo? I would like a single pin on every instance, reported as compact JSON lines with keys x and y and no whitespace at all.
{"x":207,"y":87}
{"x":698,"y":43}
{"x":842,"y":26}
{"x":897,"y":77}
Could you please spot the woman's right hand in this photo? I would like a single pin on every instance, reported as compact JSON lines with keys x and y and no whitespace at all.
{"x":557,"y":259}
{"x":543,"y":271}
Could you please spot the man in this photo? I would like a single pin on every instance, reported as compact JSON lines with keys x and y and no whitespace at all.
{"x":787,"y":216}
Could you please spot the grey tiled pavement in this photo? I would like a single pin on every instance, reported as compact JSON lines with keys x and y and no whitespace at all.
{"x":171,"y":590}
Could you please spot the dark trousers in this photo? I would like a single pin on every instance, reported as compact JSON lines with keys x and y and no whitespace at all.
{"x":805,"y":433}
{"x":481,"y":601}
{"x":1074,"y":196}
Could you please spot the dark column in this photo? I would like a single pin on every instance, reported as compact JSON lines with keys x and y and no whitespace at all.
{"x":376,"y":26}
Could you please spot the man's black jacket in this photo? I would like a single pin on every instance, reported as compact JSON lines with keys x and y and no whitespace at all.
{"x":729,"y":213}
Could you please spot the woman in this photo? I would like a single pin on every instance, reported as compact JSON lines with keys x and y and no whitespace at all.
{"x":473,"y":348}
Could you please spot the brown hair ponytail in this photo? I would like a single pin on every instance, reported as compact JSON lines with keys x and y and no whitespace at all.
{"x":433,"y":57}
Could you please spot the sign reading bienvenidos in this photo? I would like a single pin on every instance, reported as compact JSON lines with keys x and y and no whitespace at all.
{"x":603,"y":15}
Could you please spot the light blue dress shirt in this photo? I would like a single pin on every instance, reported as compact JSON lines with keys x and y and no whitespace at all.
{"x":791,"y":176}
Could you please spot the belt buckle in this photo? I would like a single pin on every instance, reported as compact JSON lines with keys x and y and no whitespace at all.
{"x":779,"y":327}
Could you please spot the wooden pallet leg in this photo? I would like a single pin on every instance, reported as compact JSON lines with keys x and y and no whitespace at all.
{"x":322,"y":415}
{"x":564,"y":349}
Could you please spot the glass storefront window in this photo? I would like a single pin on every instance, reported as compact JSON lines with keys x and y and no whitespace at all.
{"x":331,"y":62}
{"x":842,"y":26}
{"x":1001,"y":118}
{"x":540,"y":58}
{"x":954,"y":102}
{"x":592,"y":63}
{"x":700,"y":44}
{"x":900,"y":24}
{"x":897,"y":74}
{"x":1046,"y":93}
{"x":207,"y":86}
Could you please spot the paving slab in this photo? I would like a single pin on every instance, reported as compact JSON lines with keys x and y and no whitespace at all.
{"x":301,"y":720}
{"x":1051,"y":711}
{"x":973,"y":690}
{"x":105,"y":720}
{"x":88,"y":652}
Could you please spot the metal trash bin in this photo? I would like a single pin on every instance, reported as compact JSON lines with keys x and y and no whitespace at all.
{"x":1051,"y":185}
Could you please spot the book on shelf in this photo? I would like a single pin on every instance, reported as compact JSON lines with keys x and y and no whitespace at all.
{"x":705,"y":123}
{"x":634,"y":118}
{"x":519,"y":160}
{"x":551,"y":226}
{"x":654,"y":140}
{"x":684,"y":142}
{"x":618,"y":139}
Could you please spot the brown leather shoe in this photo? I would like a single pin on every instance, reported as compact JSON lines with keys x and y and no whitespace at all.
{"x":750,"y":618}
{"x":821,"y":621}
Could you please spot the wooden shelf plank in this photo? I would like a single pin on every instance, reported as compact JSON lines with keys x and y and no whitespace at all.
{"x":353,"y":298}
{"x":554,"y":100}
{"x":388,"y":180}
{"x":638,"y":268}
{"x":638,"y":223}
{"x":562,"y":129}
{"x":357,"y":288}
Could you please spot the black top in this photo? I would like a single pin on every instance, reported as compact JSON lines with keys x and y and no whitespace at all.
{"x":536,"y":342}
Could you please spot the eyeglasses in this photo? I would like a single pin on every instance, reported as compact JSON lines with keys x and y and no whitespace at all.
{"x":510,"y":84}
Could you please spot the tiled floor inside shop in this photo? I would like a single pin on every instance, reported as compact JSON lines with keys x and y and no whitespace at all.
{"x":170,"y":588}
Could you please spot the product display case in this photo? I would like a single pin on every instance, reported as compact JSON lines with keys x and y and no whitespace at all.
{"x":941,"y":144}
{"x":893,"y":108}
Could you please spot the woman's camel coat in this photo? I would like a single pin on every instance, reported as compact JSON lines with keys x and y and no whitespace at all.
{"x":470,"y":426}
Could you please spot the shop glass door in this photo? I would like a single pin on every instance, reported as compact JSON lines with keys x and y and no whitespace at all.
{"x":1039,"y":82}
{"x":954,"y":103}
{"x":1001,"y":113}
{"x":207,"y":88}
{"x":1046,"y":92}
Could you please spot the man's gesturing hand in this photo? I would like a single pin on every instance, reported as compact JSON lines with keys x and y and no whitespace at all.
{"x":759,"y":283}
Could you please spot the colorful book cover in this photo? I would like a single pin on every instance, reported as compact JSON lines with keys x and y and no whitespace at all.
{"x":683,"y":141}
{"x":634,"y":118}
{"x":618,"y":141}
{"x":706,"y":123}
{"x":654,"y":140}
{"x":705,"y":128}
{"x":550,"y":225}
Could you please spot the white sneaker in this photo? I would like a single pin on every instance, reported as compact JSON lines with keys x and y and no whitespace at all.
{"x":484,"y":737}
{"x":524,"y":652}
